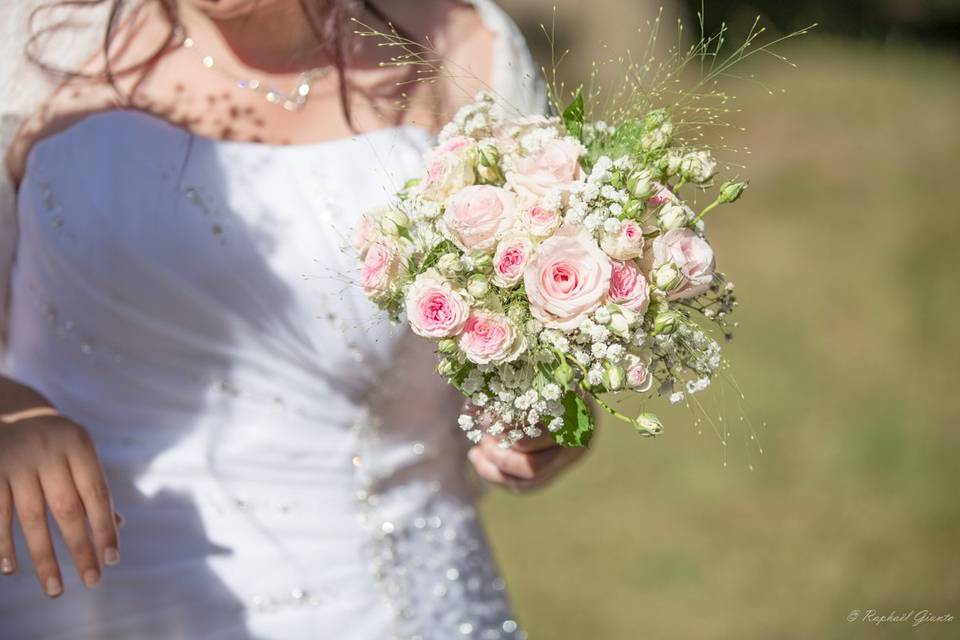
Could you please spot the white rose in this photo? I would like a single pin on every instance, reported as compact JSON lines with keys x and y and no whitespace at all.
{"x":391,"y":220}
{"x":658,"y":138}
{"x":674,"y":216}
{"x":698,"y":166}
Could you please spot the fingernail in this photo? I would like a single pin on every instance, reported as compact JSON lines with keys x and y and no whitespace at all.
{"x":111,"y":556}
{"x":91,"y":578}
{"x":472,"y":455}
{"x":6,"y":565}
{"x":54,"y":588}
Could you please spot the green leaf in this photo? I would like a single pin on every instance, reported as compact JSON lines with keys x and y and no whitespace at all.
{"x":573,"y":115}
{"x":433,"y":256}
{"x":540,"y":380}
{"x":577,"y":422}
{"x":458,"y":378}
{"x":625,"y":141}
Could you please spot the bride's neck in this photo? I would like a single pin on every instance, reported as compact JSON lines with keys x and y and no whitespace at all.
{"x":272,"y":35}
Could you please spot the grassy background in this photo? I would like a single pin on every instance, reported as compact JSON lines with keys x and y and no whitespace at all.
{"x":843,"y":251}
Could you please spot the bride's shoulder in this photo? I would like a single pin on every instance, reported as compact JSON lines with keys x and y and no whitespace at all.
{"x":470,"y":38}
{"x":85,"y":88}
{"x":445,"y":22}
{"x":455,"y":31}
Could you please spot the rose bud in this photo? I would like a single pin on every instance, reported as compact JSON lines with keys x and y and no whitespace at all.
{"x":446,"y":367}
{"x":483,"y":264}
{"x":634,"y":208}
{"x":478,"y":286}
{"x":673,"y":216}
{"x":666,"y":322}
{"x":640,"y":183}
{"x":655,"y":118}
{"x":666,"y":276}
{"x":649,"y":423}
{"x":449,"y":264}
{"x":731,"y":191}
{"x":447,"y":346}
{"x":613,"y":377}
{"x":563,"y":374}
{"x":619,"y":325}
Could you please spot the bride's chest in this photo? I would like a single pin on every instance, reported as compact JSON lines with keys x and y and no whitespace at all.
{"x":194,"y":231}
{"x":127,"y":179}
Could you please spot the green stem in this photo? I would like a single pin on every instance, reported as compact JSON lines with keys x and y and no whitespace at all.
{"x":562,"y":357}
{"x":612,"y":411}
{"x":706,"y":210}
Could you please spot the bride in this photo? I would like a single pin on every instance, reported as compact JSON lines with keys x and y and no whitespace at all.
{"x":180,"y":346}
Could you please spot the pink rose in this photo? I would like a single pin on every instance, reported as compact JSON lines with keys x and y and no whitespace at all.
{"x":628,"y":286}
{"x":454,"y":144}
{"x":491,"y":338}
{"x":477,"y":216}
{"x":567,"y":278}
{"x":554,"y":166}
{"x":511,"y":257}
{"x":693,"y":258}
{"x":364,"y":233}
{"x":661,"y":195}
{"x":639,"y":376}
{"x":449,"y":168}
{"x":540,"y":220}
{"x":626,"y":243}
{"x":434,"y":308}
{"x":381,"y":266}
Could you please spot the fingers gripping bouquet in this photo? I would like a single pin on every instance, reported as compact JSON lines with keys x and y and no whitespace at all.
{"x":553,"y":260}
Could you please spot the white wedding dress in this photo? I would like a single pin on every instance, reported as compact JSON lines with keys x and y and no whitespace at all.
{"x":288,"y":464}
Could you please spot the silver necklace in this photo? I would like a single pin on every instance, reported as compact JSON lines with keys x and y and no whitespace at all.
{"x":293,"y":100}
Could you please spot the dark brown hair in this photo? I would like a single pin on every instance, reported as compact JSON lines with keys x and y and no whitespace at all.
{"x":327,"y":19}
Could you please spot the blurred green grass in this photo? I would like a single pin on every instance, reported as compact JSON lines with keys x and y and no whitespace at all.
{"x":843,"y":251}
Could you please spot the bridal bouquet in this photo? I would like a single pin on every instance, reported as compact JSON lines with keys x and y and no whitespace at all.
{"x":556,"y":259}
